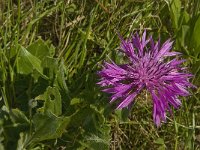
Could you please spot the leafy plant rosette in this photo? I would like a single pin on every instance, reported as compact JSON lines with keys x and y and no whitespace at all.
{"x":43,"y":112}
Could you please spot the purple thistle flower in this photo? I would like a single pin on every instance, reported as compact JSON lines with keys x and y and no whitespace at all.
{"x":148,"y":68}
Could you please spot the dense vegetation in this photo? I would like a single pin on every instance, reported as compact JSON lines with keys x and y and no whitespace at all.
{"x":50,"y":52}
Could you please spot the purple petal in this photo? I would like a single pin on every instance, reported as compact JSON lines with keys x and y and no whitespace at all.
{"x":164,"y":49}
{"x":130,"y":98}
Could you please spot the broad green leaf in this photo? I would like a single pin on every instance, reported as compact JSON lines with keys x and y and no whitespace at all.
{"x":186,"y":17}
{"x":183,"y":38}
{"x":28,"y":62}
{"x":40,"y":49}
{"x":48,"y":126}
{"x":175,"y":12}
{"x":18,"y":116}
{"x":52,"y":65}
{"x":196,"y":37}
{"x":52,"y":101}
{"x":184,"y":35}
{"x":56,"y":71}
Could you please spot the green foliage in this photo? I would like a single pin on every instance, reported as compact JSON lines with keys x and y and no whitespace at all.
{"x":48,"y":127}
{"x":52,"y":102}
{"x":50,"y":52}
{"x":195,"y":36}
{"x":28,"y":62}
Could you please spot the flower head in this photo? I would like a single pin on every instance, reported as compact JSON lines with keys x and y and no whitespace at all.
{"x":148,"y":68}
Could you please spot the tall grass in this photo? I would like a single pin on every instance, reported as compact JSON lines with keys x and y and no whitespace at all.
{"x":49,"y":54}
